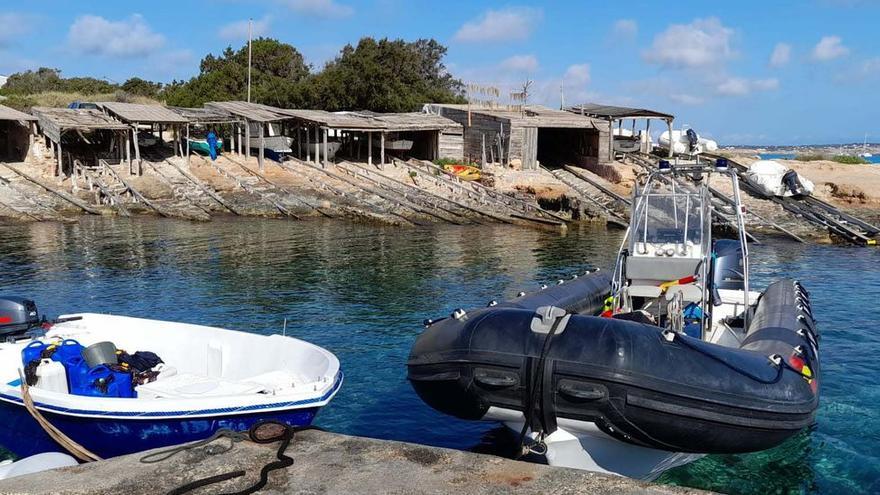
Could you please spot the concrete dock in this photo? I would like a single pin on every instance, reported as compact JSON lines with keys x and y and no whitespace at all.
{"x":330,"y":463}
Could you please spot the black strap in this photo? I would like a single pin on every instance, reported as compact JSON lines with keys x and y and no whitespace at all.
{"x":538,"y":386}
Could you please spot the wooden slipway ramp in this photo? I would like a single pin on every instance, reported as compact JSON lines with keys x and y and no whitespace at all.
{"x":22,"y":200}
{"x":489,"y":202}
{"x":600,"y":200}
{"x":178,"y":206}
{"x":241,"y":195}
{"x":186,"y":185}
{"x":42,"y":192}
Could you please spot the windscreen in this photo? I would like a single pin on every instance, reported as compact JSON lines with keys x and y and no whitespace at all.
{"x":669,"y":218}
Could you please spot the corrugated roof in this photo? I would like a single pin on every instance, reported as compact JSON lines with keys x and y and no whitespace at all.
{"x":134,"y":112}
{"x":529,"y":116}
{"x":251,"y":111}
{"x":7,"y":113}
{"x":614,"y":112}
{"x":54,"y":121}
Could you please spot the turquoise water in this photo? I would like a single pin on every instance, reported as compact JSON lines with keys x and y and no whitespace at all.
{"x":791,"y":156}
{"x":361,"y":291}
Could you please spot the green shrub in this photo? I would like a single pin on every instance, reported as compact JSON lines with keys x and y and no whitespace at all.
{"x":810,"y":157}
{"x":849,"y":159}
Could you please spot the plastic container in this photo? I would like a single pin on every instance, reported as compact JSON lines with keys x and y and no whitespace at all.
{"x":101,"y":381}
{"x":52,"y":376}
{"x":32,"y":351}
{"x":100,"y":353}
{"x":77,"y":374}
{"x":68,"y":349}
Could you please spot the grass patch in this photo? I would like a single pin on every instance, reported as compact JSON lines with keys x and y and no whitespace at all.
{"x":849,"y":159}
{"x":62,"y":99}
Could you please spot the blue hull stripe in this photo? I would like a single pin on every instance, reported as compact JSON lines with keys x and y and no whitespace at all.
{"x":168,"y":414}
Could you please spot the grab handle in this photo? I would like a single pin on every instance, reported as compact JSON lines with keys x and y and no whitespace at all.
{"x":493,"y":378}
{"x":582,"y":391}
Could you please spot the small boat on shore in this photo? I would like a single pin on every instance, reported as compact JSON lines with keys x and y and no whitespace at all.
{"x":463,"y":172}
{"x":200,"y":145}
{"x":671,"y":357}
{"x":208,"y":378}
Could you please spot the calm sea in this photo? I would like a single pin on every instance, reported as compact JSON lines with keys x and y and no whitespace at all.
{"x":362,"y":291}
{"x":791,"y":156}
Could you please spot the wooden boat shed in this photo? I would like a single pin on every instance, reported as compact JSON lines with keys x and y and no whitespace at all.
{"x":254,"y":117}
{"x":529,"y":135}
{"x":137,"y":115}
{"x":431,"y":136}
{"x":55,"y":123}
{"x":206,"y":118}
{"x":614,"y":114}
{"x":16,"y":134}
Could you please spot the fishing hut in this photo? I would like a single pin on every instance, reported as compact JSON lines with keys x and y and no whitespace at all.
{"x":201,"y":120}
{"x":617,"y":139}
{"x":527,"y":135}
{"x":370,"y":136}
{"x":16,"y":134}
{"x":82,"y":135}
{"x":263,"y":126}
{"x":145,"y":121}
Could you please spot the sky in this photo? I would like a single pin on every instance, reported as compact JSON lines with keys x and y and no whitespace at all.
{"x":744,"y":72}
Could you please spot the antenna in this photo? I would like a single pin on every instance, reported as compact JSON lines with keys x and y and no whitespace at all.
{"x":250,"y":22}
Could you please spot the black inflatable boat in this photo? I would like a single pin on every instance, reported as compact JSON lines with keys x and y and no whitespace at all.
{"x":634,"y":373}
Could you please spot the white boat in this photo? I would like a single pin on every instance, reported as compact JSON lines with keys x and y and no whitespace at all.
{"x":35,"y":464}
{"x":272,"y":141}
{"x":865,"y":154}
{"x":774,"y":179}
{"x":211,"y":378}
{"x":682,"y":144}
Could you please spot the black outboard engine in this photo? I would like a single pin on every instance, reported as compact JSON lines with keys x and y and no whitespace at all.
{"x":727,"y":266}
{"x":693,"y":139}
{"x":17,"y":316}
{"x":793,"y":183}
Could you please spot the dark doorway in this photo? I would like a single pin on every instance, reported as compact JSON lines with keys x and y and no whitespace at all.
{"x":14,"y":141}
{"x":565,"y":146}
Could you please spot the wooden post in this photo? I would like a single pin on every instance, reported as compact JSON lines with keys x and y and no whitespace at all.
{"x":128,"y":153}
{"x":317,"y":146}
{"x":501,"y":146}
{"x":299,"y":136}
{"x":60,"y":159}
{"x":382,"y":150}
{"x":369,"y":148}
{"x":326,"y":154}
{"x":187,"y":144}
{"x":247,"y":138}
{"x":669,"y":127}
{"x":262,"y":144}
{"x":610,"y":139}
{"x":647,"y":146}
{"x":137,"y":153}
{"x":161,"y":128}
{"x":32,"y":132}
{"x":483,"y":149}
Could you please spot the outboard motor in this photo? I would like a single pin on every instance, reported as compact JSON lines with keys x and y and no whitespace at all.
{"x":793,"y":183}
{"x":693,"y":139}
{"x":727,"y":268}
{"x":17,"y":316}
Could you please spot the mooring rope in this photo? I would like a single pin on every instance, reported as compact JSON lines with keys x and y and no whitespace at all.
{"x":69,"y":444}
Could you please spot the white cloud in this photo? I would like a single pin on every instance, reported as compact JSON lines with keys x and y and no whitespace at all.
{"x":626,"y":29}
{"x":238,"y":30}
{"x":325,"y":9}
{"x":829,"y":48}
{"x":96,"y":35}
{"x":702,"y":43}
{"x":738,"y":86}
{"x":577,"y":75}
{"x":520,"y":63}
{"x":781,"y":55}
{"x":511,"y":24}
{"x":870,"y":66}
{"x":686,"y":99}
{"x":13,"y":25}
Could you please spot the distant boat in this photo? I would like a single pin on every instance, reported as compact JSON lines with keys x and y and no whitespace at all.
{"x":865,"y":153}
{"x":681,"y":143}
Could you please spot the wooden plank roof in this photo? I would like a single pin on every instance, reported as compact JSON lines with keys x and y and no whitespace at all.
{"x":614,"y":112}
{"x":134,"y":112}
{"x":370,"y":121}
{"x":54,"y":121}
{"x":251,"y":111}
{"x":204,"y":115}
{"x":529,"y":116}
{"x":7,"y":113}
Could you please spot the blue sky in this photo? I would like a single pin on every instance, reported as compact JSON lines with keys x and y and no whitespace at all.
{"x":758,"y":72}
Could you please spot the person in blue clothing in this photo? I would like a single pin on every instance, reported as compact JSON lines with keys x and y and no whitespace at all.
{"x":212,"y":144}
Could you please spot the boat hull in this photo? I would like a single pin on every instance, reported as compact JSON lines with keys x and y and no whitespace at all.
{"x":109,"y":436}
{"x":636,"y":385}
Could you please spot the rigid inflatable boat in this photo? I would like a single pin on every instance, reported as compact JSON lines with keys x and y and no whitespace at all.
{"x":210,"y":378}
{"x":668,"y":358}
